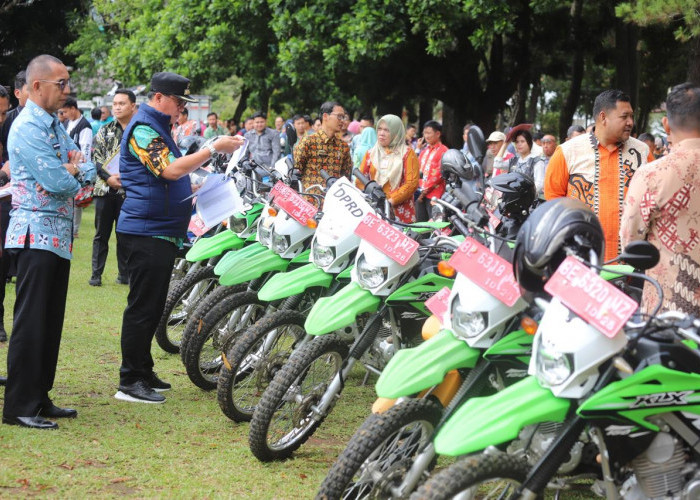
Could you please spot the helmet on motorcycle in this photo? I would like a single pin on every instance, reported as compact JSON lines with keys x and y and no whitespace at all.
{"x":190,"y":144}
{"x":454,"y":163}
{"x":518,"y":193}
{"x":553,"y":228}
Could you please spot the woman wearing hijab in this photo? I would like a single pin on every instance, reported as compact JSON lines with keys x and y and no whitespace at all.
{"x":394,"y":166}
{"x":366,"y":140}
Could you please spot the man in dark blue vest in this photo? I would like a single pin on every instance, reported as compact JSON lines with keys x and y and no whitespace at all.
{"x":153,"y":223}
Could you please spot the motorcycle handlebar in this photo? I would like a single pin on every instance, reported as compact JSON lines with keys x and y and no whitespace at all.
{"x":360,"y":176}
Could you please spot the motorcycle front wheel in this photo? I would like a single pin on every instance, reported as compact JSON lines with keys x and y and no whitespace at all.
{"x":255,"y":358}
{"x":284,"y":418}
{"x":382,"y":450}
{"x":228,"y":318}
{"x":183,"y":298}
{"x":482,"y":476}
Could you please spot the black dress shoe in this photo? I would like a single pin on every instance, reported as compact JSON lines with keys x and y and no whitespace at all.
{"x":54,"y":411}
{"x":3,"y":380}
{"x":31,"y":422}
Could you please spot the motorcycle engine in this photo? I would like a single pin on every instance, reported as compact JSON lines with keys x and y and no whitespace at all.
{"x":659,"y":471}
{"x":382,"y":349}
{"x":534,"y":440}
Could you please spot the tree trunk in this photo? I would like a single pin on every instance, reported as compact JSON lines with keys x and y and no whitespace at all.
{"x":242,"y":104}
{"x":566,"y":114}
{"x":452,"y":124}
{"x":523,"y":67}
{"x":627,"y":59}
{"x":694,"y":61}
{"x":425,"y":113}
{"x":534,"y":99}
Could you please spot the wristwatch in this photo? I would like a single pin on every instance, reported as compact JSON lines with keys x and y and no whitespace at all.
{"x":212,"y":149}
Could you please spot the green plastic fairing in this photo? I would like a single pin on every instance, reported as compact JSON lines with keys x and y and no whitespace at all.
{"x":613,"y":271}
{"x":283,"y":285}
{"x":230,"y":259}
{"x":303,"y":257}
{"x":517,"y":344}
{"x":482,"y":422}
{"x":346,"y":273}
{"x":253,"y":266}
{"x":653,"y":390}
{"x":411,"y":370}
{"x":423,"y":227}
{"x":340,"y":309}
{"x":206,"y":248}
{"x":420,"y":289}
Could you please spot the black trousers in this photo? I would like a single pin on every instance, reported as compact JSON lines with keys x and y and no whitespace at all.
{"x":42,"y":285}
{"x":107,"y":209}
{"x":149,"y":263}
{"x":5,"y":207}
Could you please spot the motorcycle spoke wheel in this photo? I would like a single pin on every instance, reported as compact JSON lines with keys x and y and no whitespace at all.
{"x":203,"y":359}
{"x":284,"y":418}
{"x":382,"y":450}
{"x":255,"y":358}
{"x":182,"y":299}
{"x":481,"y":477}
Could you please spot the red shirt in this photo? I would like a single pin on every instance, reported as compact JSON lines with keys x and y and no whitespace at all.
{"x":432,"y":182}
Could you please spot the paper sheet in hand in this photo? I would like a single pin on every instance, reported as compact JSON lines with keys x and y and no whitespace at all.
{"x":237,"y":155}
{"x":112,"y":165}
{"x":217,"y":199}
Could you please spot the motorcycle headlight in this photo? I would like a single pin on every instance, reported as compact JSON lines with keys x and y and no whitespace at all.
{"x":370,"y":276}
{"x":264,"y":234}
{"x":323,"y":255}
{"x":466,"y":323}
{"x":553,"y":368}
{"x":280,"y":243}
{"x":238,"y":225}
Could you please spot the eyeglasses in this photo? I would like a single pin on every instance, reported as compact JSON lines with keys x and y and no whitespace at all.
{"x":340,"y":116}
{"x":62,"y":83}
{"x":179,"y":102}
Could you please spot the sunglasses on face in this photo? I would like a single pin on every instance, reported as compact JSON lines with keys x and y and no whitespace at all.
{"x":62,"y":83}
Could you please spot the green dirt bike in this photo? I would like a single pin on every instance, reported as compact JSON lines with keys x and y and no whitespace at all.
{"x":253,"y":359}
{"x":354,"y":324}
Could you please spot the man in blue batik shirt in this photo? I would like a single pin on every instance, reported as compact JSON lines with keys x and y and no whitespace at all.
{"x":47,"y":170}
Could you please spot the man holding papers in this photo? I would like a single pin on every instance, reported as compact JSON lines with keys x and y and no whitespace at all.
{"x":108,"y":194}
{"x":153,"y":223}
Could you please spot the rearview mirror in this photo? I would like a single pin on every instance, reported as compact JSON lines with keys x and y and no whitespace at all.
{"x":640,"y":255}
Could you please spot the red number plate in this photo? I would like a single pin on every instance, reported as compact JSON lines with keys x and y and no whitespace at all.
{"x":197,"y":226}
{"x":490,"y":271}
{"x":437,"y":304}
{"x":291,"y":202}
{"x":591,"y":297}
{"x":386,"y":239}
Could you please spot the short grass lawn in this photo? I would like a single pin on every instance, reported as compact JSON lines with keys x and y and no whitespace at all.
{"x":185,"y":448}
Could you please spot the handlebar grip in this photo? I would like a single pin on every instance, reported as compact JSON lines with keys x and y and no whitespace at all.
{"x":324,"y":175}
{"x":360,"y":176}
{"x":461,"y":227}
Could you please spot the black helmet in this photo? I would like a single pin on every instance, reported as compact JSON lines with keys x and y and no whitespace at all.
{"x":476,"y":143}
{"x":190,"y":144}
{"x":553,"y":227}
{"x":518,"y":193}
{"x":454,"y":163}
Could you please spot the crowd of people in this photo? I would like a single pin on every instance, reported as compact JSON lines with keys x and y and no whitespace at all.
{"x":132,"y":162}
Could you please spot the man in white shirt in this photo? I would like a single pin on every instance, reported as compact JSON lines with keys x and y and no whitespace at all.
{"x":80,"y":130}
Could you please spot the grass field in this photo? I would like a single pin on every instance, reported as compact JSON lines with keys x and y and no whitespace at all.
{"x":184,"y":448}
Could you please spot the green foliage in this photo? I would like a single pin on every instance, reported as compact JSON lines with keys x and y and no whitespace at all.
{"x":224,"y":96}
{"x":682,"y":14}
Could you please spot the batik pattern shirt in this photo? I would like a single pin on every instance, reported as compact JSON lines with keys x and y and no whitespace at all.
{"x":431,"y":181}
{"x":38,"y":147}
{"x":107,"y":144}
{"x":319,"y":152}
{"x":663,"y":207}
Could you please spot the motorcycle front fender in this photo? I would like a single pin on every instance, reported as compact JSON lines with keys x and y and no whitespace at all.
{"x":231,"y":258}
{"x":340,"y":310}
{"x":253,"y":267}
{"x":497,"y":419}
{"x":206,"y":248}
{"x":412,"y":370}
{"x":283,"y":285}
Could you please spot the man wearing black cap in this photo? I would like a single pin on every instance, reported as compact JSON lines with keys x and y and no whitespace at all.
{"x":153,"y":223}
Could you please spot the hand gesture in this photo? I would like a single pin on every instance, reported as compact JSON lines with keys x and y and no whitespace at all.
{"x":228,"y":143}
